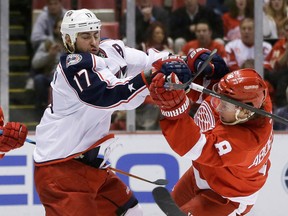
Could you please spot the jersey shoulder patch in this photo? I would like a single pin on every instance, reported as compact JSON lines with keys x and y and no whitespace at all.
{"x":204,"y":117}
{"x":73,"y":59}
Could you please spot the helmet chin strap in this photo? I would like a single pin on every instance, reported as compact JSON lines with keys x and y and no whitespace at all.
{"x":237,"y":117}
{"x":69,"y":44}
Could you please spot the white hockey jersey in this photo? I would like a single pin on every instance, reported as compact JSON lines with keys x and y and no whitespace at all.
{"x":237,"y":53}
{"x":85,"y":93}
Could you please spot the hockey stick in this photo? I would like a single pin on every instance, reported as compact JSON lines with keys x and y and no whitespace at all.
{"x":157,"y":182}
{"x":172,"y":86}
{"x":27,"y":140}
{"x":165,"y":202}
{"x":200,"y":88}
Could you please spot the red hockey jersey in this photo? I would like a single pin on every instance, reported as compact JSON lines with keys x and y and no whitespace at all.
{"x":231,"y":160}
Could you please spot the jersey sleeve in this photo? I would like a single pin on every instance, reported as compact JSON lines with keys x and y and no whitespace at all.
{"x":138,"y":60}
{"x":94,"y":84}
{"x":125,"y":61}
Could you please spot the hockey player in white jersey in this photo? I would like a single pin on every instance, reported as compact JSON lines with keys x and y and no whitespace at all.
{"x":85,"y":93}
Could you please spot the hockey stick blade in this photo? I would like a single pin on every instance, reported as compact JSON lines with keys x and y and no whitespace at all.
{"x":165,"y":202}
{"x":175,"y":86}
{"x":200,"y":88}
{"x":157,"y":182}
{"x":27,"y":140}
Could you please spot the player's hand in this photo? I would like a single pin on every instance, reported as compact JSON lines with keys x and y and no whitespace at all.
{"x":196,"y":58}
{"x":174,"y":64}
{"x":173,"y":104}
{"x":216,"y":69}
{"x":14,"y":135}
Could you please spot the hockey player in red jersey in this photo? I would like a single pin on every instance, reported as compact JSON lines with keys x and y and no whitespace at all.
{"x":13,"y":135}
{"x":229,"y":146}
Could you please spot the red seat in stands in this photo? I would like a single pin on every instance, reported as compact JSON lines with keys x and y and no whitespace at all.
{"x":110,"y":30}
{"x":96,"y":4}
{"x":104,"y":9}
{"x":177,"y":4}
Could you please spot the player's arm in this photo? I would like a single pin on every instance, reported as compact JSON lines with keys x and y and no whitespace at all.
{"x":127,"y":57}
{"x":179,"y":129}
{"x":96,"y":82}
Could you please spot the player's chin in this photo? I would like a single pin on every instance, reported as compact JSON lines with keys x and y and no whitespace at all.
{"x":227,"y":119}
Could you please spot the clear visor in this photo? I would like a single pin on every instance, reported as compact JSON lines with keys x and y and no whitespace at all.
{"x":222,"y":106}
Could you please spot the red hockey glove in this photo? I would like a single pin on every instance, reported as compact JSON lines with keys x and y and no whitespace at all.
{"x":173,"y":104}
{"x":14,"y":135}
{"x":1,"y":117}
{"x":215,"y":70}
{"x":196,"y":58}
{"x":166,"y":66}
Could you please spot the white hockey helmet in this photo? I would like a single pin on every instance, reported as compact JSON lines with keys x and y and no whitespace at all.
{"x":75,"y":21}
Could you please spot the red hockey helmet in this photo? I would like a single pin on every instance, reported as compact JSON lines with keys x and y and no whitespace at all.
{"x":244,"y":85}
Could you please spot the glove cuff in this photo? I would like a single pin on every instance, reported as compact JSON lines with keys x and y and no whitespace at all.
{"x":148,"y":75}
{"x":178,"y":112}
{"x":193,"y":55}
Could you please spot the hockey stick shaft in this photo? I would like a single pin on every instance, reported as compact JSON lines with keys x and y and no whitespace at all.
{"x":157,"y":182}
{"x":199,"y":88}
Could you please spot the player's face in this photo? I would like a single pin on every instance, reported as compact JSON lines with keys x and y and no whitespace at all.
{"x":226,"y":110}
{"x":88,"y":42}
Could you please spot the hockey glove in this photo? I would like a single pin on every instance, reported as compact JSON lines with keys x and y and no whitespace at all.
{"x":216,"y":69}
{"x":14,"y":135}
{"x":173,"y":104}
{"x":174,"y":64}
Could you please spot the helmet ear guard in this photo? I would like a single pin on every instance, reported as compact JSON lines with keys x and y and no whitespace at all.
{"x":75,"y":21}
